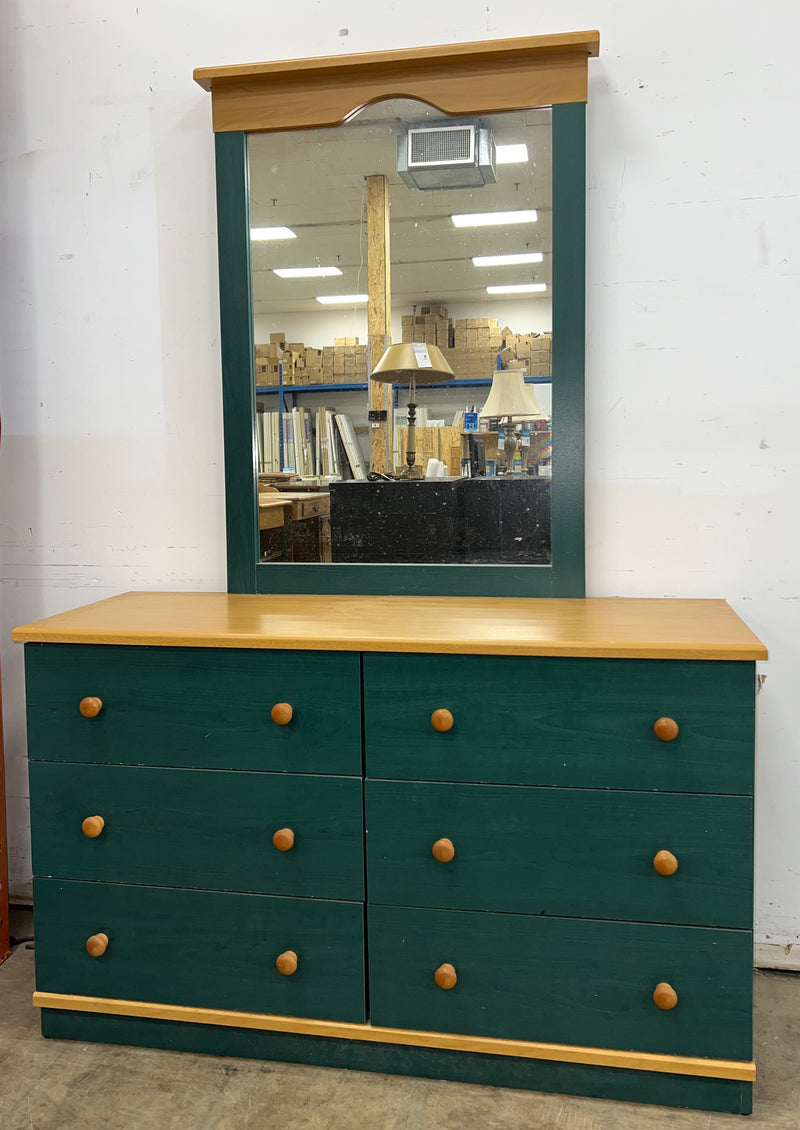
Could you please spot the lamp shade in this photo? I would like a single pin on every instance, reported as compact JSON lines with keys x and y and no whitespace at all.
{"x":509,"y":396}
{"x":407,"y":361}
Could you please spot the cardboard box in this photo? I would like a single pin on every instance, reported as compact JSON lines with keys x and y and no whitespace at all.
{"x":277,"y":339}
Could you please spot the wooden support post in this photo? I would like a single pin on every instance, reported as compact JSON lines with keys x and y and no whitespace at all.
{"x":379,"y":308}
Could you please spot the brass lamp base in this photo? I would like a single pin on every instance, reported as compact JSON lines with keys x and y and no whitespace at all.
{"x":410,"y":471}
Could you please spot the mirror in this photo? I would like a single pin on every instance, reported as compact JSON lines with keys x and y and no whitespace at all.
{"x":464,"y":267}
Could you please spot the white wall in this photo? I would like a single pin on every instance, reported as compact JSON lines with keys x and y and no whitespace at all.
{"x":111,"y":460}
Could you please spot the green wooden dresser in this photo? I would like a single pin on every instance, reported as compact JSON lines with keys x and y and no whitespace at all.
{"x":492,"y":840}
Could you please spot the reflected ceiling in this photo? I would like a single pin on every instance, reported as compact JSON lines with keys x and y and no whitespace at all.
{"x":313,"y":182}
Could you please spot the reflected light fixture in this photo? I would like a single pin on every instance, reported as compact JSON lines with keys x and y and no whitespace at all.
{"x":272,"y":233}
{"x":305,"y":272}
{"x":342,"y":299}
{"x":511,"y":154}
{"x":507,"y":260}
{"x":488,"y":219}
{"x":521,"y":288}
{"x":412,"y":363}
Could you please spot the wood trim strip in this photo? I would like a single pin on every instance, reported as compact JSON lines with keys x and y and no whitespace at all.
{"x":467,"y":78}
{"x":743,"y":1071}
{"x":563,"y":41}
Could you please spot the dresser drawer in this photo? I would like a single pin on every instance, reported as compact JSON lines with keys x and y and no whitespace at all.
{"x":202,"y":948}
{"x":199,"y":828}
{"x":563,"y":981}
{"x":582,"y":853}
{"x":575,"y":722}
{"x":204,"y":707}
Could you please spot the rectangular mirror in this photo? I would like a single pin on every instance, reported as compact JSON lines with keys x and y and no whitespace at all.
{"x":464,"y":267}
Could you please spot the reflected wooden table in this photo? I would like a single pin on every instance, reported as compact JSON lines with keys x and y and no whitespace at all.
{"x":272,"y":510}
{"x":304,"y":519}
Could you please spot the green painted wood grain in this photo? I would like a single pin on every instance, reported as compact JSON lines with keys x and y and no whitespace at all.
{"x":569,"y":319}
{"x":407,"y":580}
{"x":201,"y":707}
{"x":463,"y":1067}
{"x":561,"y":721}
{"x":199,"y":828}
{"x":238,"y":359}
{"x":579,"y":853}
{"x":203,"y":948}
{"x":570,"y":981}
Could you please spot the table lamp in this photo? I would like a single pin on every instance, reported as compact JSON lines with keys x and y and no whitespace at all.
{"x":412,"y":363}
{"x":510,"y":400}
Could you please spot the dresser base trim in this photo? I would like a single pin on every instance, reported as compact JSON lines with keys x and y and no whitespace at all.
{"x":739,"y":1070}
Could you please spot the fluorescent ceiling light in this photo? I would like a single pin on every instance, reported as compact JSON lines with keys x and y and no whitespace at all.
{"x":305,"y":272}
{"x":272,"y":233}
{"x":342,"y":299}
{"x":523,"y":288}
{"x":511,"y":154}
{"x":484,"y":219}
{"x":507,"y":260}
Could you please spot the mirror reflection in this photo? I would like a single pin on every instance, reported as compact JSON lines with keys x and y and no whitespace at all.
{"x":402,"y":300}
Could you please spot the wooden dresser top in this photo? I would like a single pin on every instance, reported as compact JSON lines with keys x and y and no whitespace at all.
{"x":612,"y":627}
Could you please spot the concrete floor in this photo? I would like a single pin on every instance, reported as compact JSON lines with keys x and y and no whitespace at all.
{"x":61,"y":1085}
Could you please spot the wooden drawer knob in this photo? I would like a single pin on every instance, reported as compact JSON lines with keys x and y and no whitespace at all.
{"x":286,"y":963}
{"x":281,"y":713}
{"x":666,"y":729}
{"x":92,"y":826}
{"x":443,"y":850}
{"x":665,"y":863}
{"x":90,"y":707}
{"x":97,"y":945}
{"x":283,"y":839}
{"x":442,"y":720}
{"x":665,"y":996}
{"x":445,"y":977}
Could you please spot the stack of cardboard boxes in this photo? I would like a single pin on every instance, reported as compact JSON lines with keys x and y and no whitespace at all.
{"x":431,"y":326}
{"x":478,"y":334}
{"x":278,"y":352}
{"x":471,"y":346}
{"x":531,"y":352}
{"x":344,"y":362}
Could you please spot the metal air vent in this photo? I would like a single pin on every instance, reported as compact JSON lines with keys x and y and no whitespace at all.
{"x":448,"y":145}
{"x":451,"y":156}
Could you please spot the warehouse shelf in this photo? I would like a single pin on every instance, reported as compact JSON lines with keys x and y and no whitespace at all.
{"x":269,"y":390}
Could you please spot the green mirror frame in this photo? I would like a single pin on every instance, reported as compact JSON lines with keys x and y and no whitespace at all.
{"x":565,"y":577}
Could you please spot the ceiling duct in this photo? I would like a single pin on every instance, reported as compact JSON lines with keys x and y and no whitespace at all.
{"x":451,"y":156}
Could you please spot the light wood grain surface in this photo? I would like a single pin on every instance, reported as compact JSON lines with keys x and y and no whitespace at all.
{"x":586,"y":41}
{"x":463,"y":78}
{"x":615,"y":628}
{"x":565,"y":1053}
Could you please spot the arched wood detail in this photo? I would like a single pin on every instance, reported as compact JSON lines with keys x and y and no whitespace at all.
{"x":462,"y":79}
